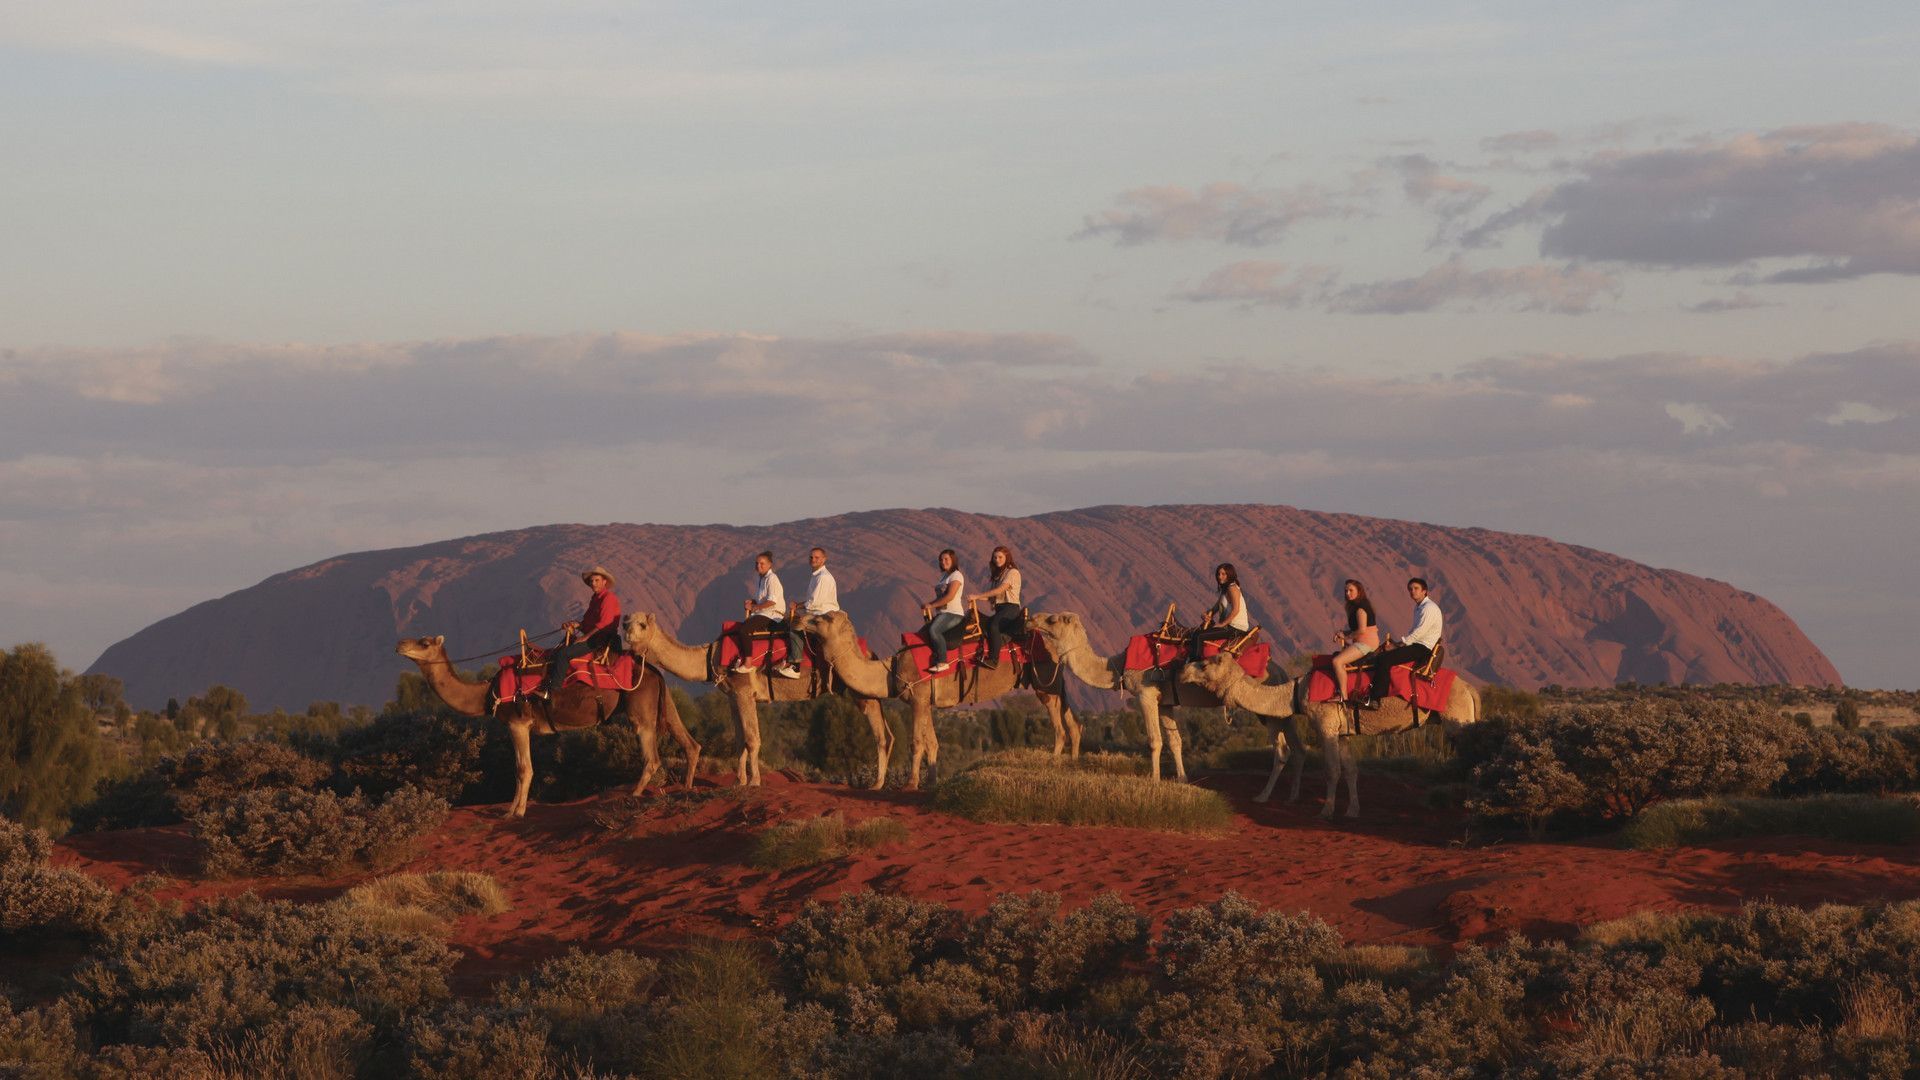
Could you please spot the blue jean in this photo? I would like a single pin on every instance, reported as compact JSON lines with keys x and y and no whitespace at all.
{"x":936,"y":633}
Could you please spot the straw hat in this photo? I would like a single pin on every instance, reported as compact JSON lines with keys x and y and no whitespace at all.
{"x":602,"y":571}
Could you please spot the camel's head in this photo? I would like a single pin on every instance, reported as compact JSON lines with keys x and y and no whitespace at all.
{"x":638,"y":631}
{"x":1215,"y":674}
{"x":1058,"y":627}
{"x":832,"y":624}
{"x":422,"y":650}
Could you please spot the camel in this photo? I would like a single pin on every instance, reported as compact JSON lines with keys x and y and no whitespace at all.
{"x":645,"y":637}
{"x":648,"y":707}
{"x":1066,"y":638}
{"x":898,"y":677}
{"x":1281,"y":703}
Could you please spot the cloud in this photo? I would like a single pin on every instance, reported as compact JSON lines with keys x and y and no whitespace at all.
{"x":1224,"y":212}
{"x":1259,"y":283}
{"x":1426,"y":185}
{"x":1741,"y":300}
{"x":1520,"y":142}
{"x":1562,"y":290}
{"x":1844,"y":199}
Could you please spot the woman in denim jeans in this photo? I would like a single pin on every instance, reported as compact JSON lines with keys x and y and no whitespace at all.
{"x":944,"y":611}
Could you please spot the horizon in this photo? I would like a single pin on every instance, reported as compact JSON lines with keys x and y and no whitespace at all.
{"x":288,"y":282}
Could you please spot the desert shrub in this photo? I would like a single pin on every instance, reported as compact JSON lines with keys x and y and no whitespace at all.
{"x":992,"y":792}
{"x":1832,"y":759}
{"x":230,"y":968}
{"x":1846,"y":715}
{"x":802,"y":843}
{"x":863,"y":940}
{"x":1612,"y":761}
{"x":50,"y":750}
{"x":310,"y":1042}
{"x":432,"y":751}
{"x":593,"y":1006}
{"x":38,"y":1043}
{"x":38,"y":900}
{"x":720,"y":1018}
{"x":175,"y":789}
{"x":1835,"y":817}
{"x":464,"y":1041}
{"x":295,"y":831}
{"x":1029,"y":956}
{"x":424,"y":902}
{"x":1508,"y":703}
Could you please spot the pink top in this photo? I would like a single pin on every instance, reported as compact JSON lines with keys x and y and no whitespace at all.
{"x":1368,"y":635}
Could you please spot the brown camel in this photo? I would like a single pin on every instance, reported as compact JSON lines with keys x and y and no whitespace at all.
{"x":645,"y":637}
{"x":969,"y":685}
{"x":1066,"y":638}
{"x":1282,"y":703}
{"x":648,"y":707}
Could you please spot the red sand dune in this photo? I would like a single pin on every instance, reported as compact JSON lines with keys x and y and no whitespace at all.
{"x":1404,"y":874}
{"x":1521,"y":610}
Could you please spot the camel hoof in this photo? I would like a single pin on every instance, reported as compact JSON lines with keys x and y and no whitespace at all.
{"x":1327,"y":811}
{"x":1261,"y":798}
{"x":1353,"y":811}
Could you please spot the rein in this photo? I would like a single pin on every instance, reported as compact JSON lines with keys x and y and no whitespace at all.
{"x":491,"y":652}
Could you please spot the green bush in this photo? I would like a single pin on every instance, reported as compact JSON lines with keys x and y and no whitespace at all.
{"x":864,"y":940}
{"x":433,"y":751}
{"x":50,"y":755}
{"x":204,"y":778}
{"x":38,"y":900}
{"x":290,"y":831}
{"x":1869,"y":818}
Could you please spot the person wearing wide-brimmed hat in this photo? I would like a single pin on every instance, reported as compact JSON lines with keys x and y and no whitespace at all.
{"x":595,"y":629}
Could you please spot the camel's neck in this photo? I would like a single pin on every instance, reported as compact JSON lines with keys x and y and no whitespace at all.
{"x":463,"y":697}
{"x":865,"y":677}
{"x":1267,"y":699}
{"x":1099,"y":672}
{"x":682,"y":661}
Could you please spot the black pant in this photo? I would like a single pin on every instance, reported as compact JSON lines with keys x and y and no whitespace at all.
{"x":1002,"y":624}
{"x":1383,"y":662}
{"x":753,"y":624}
{"x":558,"y":657}
{"x":1212,"y":633}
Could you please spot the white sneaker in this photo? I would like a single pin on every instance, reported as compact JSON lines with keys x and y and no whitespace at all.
{"x":787,"y":672}
{"x":938,"y":668}
{"x":743,"y":669}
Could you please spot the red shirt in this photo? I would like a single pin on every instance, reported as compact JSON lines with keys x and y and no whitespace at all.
{"x":602,"y":611}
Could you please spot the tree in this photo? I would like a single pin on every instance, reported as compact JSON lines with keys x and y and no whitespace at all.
{"x":102,"y":693}
{"x":50,"y":756}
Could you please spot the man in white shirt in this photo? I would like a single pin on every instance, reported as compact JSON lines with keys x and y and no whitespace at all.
{"x":823,"y":595}
{"x":1416,"y":648}
{"x":766,"y":610}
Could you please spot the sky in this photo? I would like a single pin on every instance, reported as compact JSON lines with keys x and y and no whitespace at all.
{"x":279,"y":281}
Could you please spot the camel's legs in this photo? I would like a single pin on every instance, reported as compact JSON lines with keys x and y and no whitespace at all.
{"x":1173,"y":744}
{"x":665,"y":709}
{"x":746,"y":722}
{"x":882,"y":739}
{"x":1149,"y":699}
{"x":922,"y":734}
{"x":1073,"y":725}
{"x":521,"y":730}
{"x":1334,"y":748}
{"x":650,"y":748}
{"x":1353,"y":779}
{"x":1065,"y":727}
{"x":1277,"y":731}
{"x":1297,"y":751}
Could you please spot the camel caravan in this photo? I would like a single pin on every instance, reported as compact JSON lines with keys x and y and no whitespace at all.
{"x":611,"y":665}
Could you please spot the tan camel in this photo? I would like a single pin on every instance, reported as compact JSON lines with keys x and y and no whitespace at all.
{"x":1066,"y":638}
{"x":969,"y":685}
{"x":1282,"y":703}
{"x":645,"y":637}
{"x":648,"y":707}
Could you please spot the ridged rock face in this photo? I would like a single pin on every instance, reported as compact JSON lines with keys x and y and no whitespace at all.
{"x":1520,"y":610}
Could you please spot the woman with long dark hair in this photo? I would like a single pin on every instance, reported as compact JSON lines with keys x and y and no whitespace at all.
{"x":1229,"y":612}
{"x":945,"y":611}
{"x":1361,"y":636}
{"x":1004,"y":574}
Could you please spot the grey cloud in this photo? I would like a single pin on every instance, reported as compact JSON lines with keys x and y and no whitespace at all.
{"x":1843,"y":197}
{"x":1520,"y":142}
{"x":1224,"y":212}
{"x":1425,"y":184}
{"x":1259,"y":283}
{"x":1562,"y":290}
{"x":1741,"y":300}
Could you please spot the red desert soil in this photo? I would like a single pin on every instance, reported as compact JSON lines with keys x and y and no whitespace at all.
{"x":1404,"y":874}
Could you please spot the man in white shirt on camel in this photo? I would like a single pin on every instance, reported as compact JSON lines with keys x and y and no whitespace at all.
{"x":823,"y":595}
{"x":1416,"y":648}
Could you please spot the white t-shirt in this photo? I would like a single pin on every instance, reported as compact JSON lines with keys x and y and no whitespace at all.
{"x":1225,"y":609}
{"x":959,"y":583}
{"x":1427,"y":624}
{"x":1011,"y":579}
{"x":770,"y":590}
{"x":823,"y":595}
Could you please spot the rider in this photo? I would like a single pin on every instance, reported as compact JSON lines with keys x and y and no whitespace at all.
{"x":1005,"y":594}
{"x":1416,"y":648}
{"x":766,"y":610}
{"x":1229,"y":612}
{"x":823,"y":595}
{"x":595,"y":629}
{"x":1361,"y":636}
{"x":945,"y":611}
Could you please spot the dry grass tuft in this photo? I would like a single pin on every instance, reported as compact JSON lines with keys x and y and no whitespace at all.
{"x":1094,"y":761}
{"x":992,"y":791}
{"x":1867,"y":818}
{"x":424,"y":902}
{"x":1389,"y":964}
{"x":803,"y":843}
{"x":1644,"y":925}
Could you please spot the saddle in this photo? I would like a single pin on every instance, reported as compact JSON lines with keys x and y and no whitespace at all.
{"x":525,"y":675}
{"x":967,"y":645}
{"x":1428,"y":686}
{"x":1165,"y":647}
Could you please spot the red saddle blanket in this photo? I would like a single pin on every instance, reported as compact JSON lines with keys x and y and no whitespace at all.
{"x":1430,"y":694}
{"x":515,"y":682}
{"x":769,"y":651}
{"x":1016,"y":652}
{"x":1145,"y":652}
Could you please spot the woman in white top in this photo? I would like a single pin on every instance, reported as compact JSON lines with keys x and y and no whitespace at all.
{"x":1005,"y":594}
{"x":945,"y":611}
{"x":1229,"y":612}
